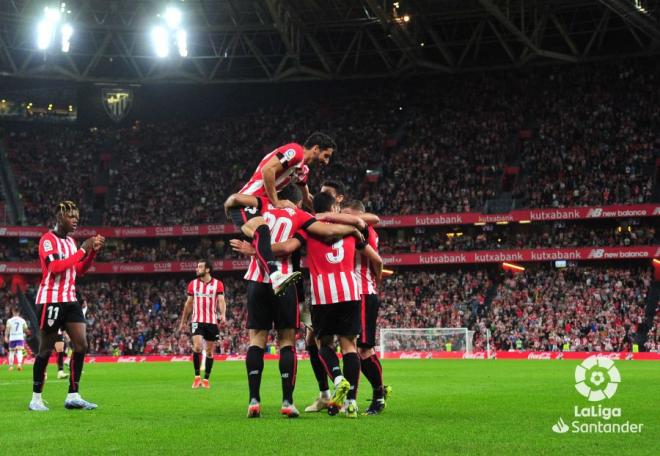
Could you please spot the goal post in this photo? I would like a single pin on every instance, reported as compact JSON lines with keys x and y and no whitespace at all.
{"x":425,"y":339}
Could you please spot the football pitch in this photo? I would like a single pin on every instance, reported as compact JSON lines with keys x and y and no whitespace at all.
{"x":437,"y":407}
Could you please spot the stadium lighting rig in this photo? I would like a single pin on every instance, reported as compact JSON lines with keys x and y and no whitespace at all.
{"x":170,"y":33}
{"x":53,"y":26}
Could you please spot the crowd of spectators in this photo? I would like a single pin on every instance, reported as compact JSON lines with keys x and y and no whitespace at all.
{"x":589,"y":309}
{"x":439,"y":145}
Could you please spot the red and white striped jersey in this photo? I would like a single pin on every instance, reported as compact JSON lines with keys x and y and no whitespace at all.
{"x":292,"y":158}
{"x":283,"y":224}
{"x":363,"y":269}
{"x":57,"y":286}
{"x":205,"y":296}
{"x":332,"y":270}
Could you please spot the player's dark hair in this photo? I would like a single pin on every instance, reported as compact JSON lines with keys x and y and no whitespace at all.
{"x":323,"y":202}
{"x":15,"y":310}
{"x":207,"y":264}
{"x":356,"y":205}
{"x":338,"y":186}
{"x":65,"y":207}
{"x":291,"y":193}
{"x":320,"y":139}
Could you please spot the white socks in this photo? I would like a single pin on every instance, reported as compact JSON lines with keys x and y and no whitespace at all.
{"x":36,"y":397}
{"x":11,"y":358}
{"x":326,"y":394}
{"x":19,"y":357}
{"x":338,"y":380}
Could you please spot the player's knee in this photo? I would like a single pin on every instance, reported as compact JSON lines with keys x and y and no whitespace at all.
{"x":365,"y":352}
{"x":45,"y":352}
{"x":81,"y":346}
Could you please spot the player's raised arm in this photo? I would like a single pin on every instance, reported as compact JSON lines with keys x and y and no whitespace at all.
{"x":345,"y":219}
{"x":269,"y":172}
{"x":240,"y":200}
{"x":370,"y":219}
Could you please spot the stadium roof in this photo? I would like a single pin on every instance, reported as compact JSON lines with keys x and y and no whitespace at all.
{"x":278,"y":40}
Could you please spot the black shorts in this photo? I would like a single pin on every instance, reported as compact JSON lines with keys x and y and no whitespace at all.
{"x":54,"y":316}
{"x":267,"y":311}
{"x":341,"y":319}
{"x":208,"y":331}
{"x":368,"y":317}
{"x":240,"y":215}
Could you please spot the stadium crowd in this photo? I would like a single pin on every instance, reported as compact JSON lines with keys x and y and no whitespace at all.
{"x":590,"y":309}
{"x":447,"y":154}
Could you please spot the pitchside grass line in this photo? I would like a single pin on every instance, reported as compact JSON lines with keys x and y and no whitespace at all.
{"x":439,"y":407}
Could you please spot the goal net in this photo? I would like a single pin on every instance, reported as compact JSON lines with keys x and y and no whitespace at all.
{"x":425,"y":339}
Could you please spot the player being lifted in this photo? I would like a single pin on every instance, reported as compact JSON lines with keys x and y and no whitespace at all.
{"x":57,"y":306}
{"x":265,"y":309}
{"x":206,"y":302}
{"x":286,"y":164}
{"x":15,"y":336}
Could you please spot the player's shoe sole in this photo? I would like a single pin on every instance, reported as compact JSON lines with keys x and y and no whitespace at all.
{"x":290,"y":279}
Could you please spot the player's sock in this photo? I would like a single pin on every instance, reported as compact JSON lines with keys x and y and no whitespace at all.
{"x":317,"y":366}
{"x":254,"y":362}
{"x":373,"y":371}
{"x":19,"y":357}
{"x":11,"y":358}
{"x":328,"y":358}
{"x":352,"y":373}
{"x":264,"y":252}
{"x":60,"y":361}
{"x":38,"y":372}
{"x":76,"y":366}
{"x":288,"y":367}
{"x":209,"y":366}
{"x":197,"y":362}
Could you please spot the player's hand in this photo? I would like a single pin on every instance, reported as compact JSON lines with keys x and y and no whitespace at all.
{"x":99,"y":242}
{"x":283,"y":204}
{"x":182,"y":326}
{"x":242,"y":247}
{"x":88,"y":244}
{"x":358,"y":236}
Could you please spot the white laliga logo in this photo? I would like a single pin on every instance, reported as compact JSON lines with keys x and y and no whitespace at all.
{"x":597,"y":378}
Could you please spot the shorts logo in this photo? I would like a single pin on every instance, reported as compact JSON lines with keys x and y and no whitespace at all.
{"x":48,"y":246}
{"x":194,"y":327}
{"x":251,"y":210}
{"x":597,"y":378}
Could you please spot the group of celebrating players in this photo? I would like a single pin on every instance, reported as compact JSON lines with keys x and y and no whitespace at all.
{"x":344,"y":272}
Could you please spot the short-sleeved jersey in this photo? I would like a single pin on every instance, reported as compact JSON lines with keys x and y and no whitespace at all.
{"x":291,"y":156}
{"x":56,"y":287}
{"x":283,"y":224}
{"x":331,"y":270}
{"x":205,"y":296}
{"x":17,"y":328}
{"x":363,"y":267}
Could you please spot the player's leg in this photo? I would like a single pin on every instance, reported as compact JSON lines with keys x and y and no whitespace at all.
{"x":254,"y":363}
{"x":10,"y":358}
{"x":59,"y":349}
{"x":77,"y":331}
{"x":210,"y":350}
{"x":321,"y":402}
{"x":19,"y":356}
{"x":197,"y":341}
{"x":351,"y":371}
{"x":369,"y":362}
{"x":47,"y":339}
{"x":288,"y":370}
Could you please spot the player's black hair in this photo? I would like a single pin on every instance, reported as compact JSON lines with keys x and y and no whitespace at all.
{"x":207,"y":264}
{"x":291,"y":193}
{"x":15,"y":310}
{"x":65,"y":207}
{"x":320,"y":139}
{"x":323,"y":202}
{"x":338,"y":186}
{"x":356,"y":205}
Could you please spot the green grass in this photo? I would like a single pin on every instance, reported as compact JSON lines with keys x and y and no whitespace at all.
{"x":438,"y":407}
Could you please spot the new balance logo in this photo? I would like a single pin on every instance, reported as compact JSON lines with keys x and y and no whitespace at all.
{"x":256,"y":372}
{"x":285,"y":375}
{"x":596,"y":253}
{"x":597,"y":212}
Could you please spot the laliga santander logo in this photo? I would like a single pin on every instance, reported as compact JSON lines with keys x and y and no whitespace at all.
{"x":597,"y":378}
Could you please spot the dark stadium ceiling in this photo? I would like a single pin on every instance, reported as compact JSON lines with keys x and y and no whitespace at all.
{"x":280,"y":40}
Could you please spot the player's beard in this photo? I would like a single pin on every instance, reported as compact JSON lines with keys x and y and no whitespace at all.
{"x":199,"y":276}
